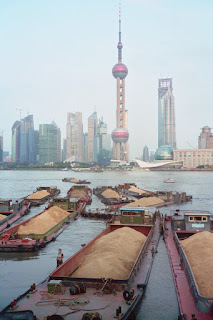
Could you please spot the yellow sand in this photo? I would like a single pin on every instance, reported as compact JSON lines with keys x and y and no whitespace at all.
{"x":112,"y":256}
{"x":111,"y":194}
{"x":140,"y":191}
{"x":44,"y":222}
{"x":146,"y":202}
{"x":199,"y":251}
{"x":2,"y":217}
{"x":38,"y":195}
{"x":78,"y":193}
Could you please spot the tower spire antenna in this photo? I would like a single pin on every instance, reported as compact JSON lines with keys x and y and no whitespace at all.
{"x":120,"y":46}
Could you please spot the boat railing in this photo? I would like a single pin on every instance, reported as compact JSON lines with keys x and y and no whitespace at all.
{"x":204,"y":304}
{"x":140,"y":257}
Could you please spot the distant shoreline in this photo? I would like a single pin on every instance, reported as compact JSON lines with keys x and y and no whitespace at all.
{"x":110,"y":169}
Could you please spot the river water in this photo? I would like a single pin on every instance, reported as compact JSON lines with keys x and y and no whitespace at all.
{"x":19,"y":271}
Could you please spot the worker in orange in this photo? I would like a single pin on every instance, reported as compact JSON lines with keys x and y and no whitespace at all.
{"x":60,"y":257}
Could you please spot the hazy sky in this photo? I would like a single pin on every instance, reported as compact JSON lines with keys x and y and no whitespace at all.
{"x":57,"y":57}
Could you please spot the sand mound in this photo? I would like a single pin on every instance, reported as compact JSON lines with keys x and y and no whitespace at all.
{"x":199,"y":251}
{"x":2,"y":217}
{"x":146,"y":202}
{"x":111,"y":194}
{"x":137,"y":190}
{"x":109,"y":257}
{"x":38,"y":195}
{"x":74,"y":180}
{"x":44,"y":222}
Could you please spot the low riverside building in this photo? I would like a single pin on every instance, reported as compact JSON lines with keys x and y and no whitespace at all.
{"x":193,"y":158}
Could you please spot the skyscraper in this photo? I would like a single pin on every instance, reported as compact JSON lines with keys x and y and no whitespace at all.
{"x":120,"y":135}
{"x":166,"y":113}
{"x":102,"y":145}
{"x":74,"y":136}
{"x":47,"y":143}
{"x":36,"y":135}
{"x":64,"y":150}
{"x":27,"y":140}
{"x":145,"y":154}
{"x":92,"y":127}
{"x":205,"y":140}
{"x":59,"y":155}
{"x":16,"y":129}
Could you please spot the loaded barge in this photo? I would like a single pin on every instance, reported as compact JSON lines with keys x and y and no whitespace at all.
{"x":64,"y":294}
{"x":41,"y":195}
{"x":11,"y":210}
{"x":180,"y":226}
{"x":37,"y":231}
{"x":80,"y":192}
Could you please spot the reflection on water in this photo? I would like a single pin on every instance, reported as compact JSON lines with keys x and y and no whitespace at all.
{"x":19,"y":271}
{"x":18,"y":256}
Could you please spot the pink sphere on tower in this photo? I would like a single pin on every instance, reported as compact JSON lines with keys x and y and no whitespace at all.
{"x":120,"y":135}
{"x":120,"y":71}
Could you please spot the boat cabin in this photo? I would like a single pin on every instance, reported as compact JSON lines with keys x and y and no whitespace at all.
{"x":191,"y":220}
{"x":8,"y":206}
{"x":136,"y":215}
{"x":68,"y":204}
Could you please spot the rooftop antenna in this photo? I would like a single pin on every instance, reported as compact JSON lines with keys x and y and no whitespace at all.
{"x":19,"y":112}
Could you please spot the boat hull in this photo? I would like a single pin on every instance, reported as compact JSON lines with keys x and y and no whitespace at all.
{"x":103,"y":295}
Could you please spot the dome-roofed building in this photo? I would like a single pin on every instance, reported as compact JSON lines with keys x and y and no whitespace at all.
{"x":164,"y":153}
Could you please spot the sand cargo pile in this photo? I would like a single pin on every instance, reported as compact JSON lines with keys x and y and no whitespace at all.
{"x":199,"y":252}
{"x":2,"y":217}
{"x":44,"y":222}
{"x":112,"y":256}
{"x":147,"y":202}
{"x":111,"y":194}
{"x":38,"y":195}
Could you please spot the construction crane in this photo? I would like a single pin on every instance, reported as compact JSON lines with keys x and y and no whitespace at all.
{"x":190,"y":145}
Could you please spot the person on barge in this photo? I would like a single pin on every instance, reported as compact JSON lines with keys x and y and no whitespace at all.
{"x":60,"y":257}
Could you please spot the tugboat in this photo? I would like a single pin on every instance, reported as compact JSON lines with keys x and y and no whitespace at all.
{"x":169,"y":180}
{"x":63,"y":293}
{"x":182,"y":225}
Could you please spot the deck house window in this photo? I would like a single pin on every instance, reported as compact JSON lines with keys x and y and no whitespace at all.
{"x":191,"y":218}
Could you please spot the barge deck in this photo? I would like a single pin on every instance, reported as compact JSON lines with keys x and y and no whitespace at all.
{"x":184,"y":292}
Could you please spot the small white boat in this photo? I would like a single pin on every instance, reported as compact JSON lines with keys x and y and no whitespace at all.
{"x":169,"y":180}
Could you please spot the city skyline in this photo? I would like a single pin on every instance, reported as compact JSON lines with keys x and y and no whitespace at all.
{"x":45,"y":67}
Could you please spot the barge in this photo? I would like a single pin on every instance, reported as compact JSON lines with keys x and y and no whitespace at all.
{"x":80,"y":192}
{"x":41,"y":195}
{"x":38,"y":230}
{"x":12,"y":210}
{"x":54,"y":191}
{"x":76,"y":181}
{"x":182,"y":225}
{"x":63,"y":295}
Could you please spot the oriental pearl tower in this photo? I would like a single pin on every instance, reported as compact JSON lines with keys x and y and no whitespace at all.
{"x":120,"y":135}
